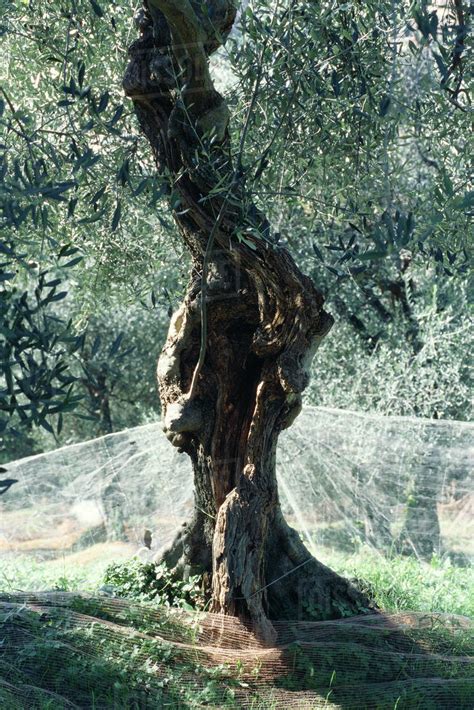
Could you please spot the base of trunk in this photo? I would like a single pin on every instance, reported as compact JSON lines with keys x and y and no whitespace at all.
{"x":297,"y":586}
{"x":300,"y":587}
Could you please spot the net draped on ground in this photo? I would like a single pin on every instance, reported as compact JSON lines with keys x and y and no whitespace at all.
{"x":171,"y":658}
{"x":347,"y":481}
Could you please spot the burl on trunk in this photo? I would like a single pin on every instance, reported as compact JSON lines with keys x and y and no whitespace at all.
{"x":238,"y":350}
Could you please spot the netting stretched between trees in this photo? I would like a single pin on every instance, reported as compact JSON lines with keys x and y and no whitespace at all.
{"x":348,"y":481}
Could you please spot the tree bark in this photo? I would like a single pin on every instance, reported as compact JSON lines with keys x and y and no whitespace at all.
{"x":238,"y":350}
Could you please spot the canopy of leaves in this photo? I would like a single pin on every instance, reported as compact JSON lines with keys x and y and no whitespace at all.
{"x":356,"y":147}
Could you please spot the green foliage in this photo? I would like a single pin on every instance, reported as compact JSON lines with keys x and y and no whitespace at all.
{"x":356,"y":148}
{"x":73,"y":164}
{"x":147,"y":581}
{"x":78,"y":202}
{"x":388,"y":374}
{"x":106,"y":362}
{"x":34,"y":351}
{"x":366,"y":148}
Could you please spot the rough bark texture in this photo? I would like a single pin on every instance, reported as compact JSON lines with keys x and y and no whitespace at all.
{"x":238,"y":350}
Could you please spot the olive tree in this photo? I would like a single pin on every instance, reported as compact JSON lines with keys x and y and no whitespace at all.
{"x":335,"y":106}
{"x":238,"y":351}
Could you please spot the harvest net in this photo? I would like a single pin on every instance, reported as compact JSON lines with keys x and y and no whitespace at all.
{"x":348,"y":482}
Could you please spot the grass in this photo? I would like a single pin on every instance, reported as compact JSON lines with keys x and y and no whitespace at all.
{"x":395,"y":583}
{"x":25,"y":574}
{"x":405,"y":584}
{"x":80,"y":571}
{"x":99,"y":667}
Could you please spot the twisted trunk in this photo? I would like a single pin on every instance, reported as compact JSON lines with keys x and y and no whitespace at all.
{"x":238,"y":350}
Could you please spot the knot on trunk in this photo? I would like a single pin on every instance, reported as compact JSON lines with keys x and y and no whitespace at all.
{"x":198,"y":115}
{"x":182,"y":417}
{"x":161,"y":69}
{"x":292,"y":320}
{"x":150,"y":67}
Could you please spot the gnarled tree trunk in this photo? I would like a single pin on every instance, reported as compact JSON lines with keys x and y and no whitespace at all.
{"x":238,"y":350}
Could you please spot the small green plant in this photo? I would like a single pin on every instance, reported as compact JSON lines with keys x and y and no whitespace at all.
{"x":150,"y":582}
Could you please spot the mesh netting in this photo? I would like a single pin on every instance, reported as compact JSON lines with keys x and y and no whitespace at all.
{"x":346,"y":479}
{"x":76,"y":651}
{"x":348,"y":482}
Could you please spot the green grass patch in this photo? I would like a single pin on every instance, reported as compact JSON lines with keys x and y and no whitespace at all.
{"x":401,"y":583}
{"x":138,"y":666}
{"x":25,"y":574}
{"x":395,"y":583}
